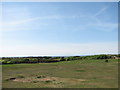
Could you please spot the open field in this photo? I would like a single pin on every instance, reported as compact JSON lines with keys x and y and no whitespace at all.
{"x":66,"y":74}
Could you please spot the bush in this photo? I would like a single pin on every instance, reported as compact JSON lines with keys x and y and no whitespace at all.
{"x":41,"y":76}
{"x":49,"y":81}
{"x":9,"y":62}
{"x":4,"y":61}
{"x":35,"y":81}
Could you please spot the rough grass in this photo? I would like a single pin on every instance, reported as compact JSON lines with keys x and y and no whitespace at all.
{"x":66,"y":74}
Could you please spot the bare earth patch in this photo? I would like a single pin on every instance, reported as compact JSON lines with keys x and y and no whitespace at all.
{"x":47,"y":79}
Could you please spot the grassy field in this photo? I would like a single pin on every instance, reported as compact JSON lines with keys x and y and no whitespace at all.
{"x":66,"y":74}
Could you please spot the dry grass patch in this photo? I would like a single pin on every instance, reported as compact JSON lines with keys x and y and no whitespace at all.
{"x":49,"y":80}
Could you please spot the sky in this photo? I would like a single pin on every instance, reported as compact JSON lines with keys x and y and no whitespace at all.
{"x":59,"y":28}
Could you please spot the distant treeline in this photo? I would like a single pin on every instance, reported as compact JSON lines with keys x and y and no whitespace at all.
{"x":48,"y":59}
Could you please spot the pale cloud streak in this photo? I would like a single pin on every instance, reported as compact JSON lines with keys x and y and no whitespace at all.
{"x":17,"y":22}
{"x":15,"y":25}
{"x":20,"y":19}
{"x":101,"y":11}
{"x":95,"y":22}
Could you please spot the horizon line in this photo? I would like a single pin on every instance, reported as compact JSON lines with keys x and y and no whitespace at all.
{"x":59,"y":55}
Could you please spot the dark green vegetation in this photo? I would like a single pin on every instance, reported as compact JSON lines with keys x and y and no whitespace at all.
{"x":81,"y":73}
{"x":18,"y":60}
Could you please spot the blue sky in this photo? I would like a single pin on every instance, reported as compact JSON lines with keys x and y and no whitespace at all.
{"x":59,"y":28}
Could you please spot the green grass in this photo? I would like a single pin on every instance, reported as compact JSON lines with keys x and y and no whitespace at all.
{"x":68,"y":74}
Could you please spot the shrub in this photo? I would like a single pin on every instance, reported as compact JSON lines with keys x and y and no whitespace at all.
{"x":35,"y":81}
{"x":41,"y":76}
{"x":48,"y":81}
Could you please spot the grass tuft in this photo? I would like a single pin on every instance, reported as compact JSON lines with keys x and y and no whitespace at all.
{"x":20,"y":76}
